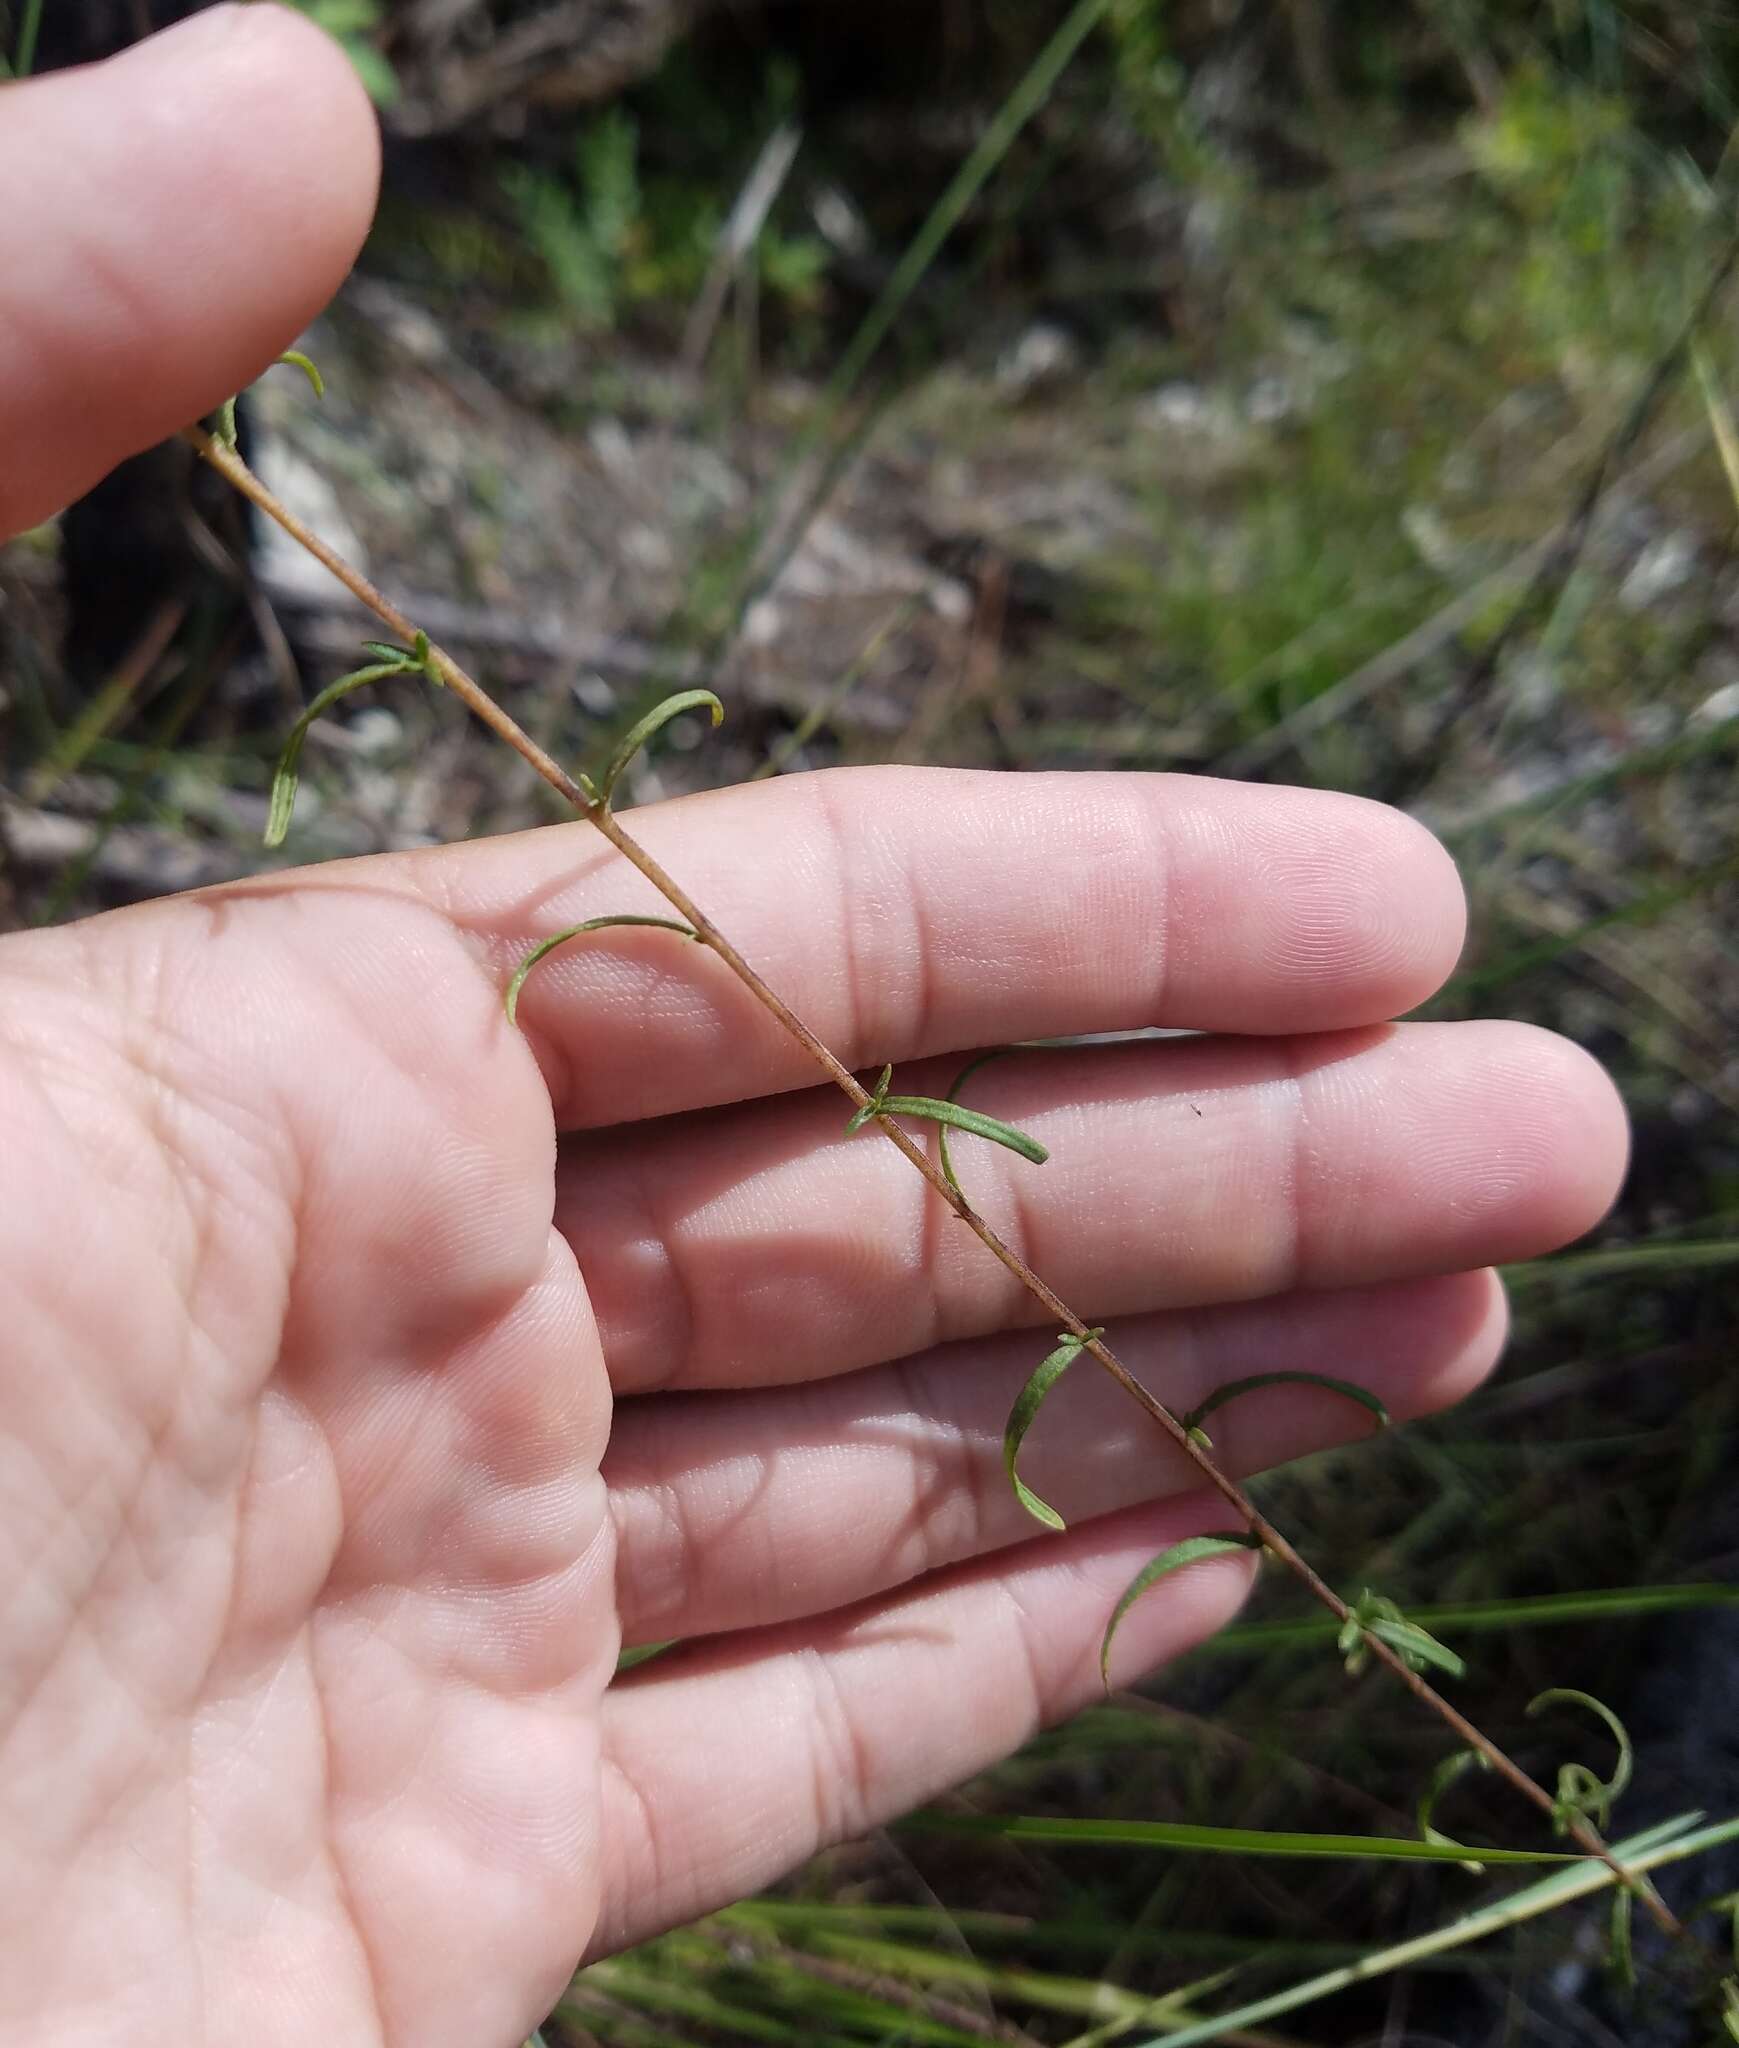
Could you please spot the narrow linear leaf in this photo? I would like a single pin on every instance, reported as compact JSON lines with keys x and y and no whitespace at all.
{"x":542,"y":951}
{"x":1190,"y":1551}
{"x":972,"y":1121}
{"x":1417,"y":1648}
{"x":285,"y":777}
{"x":293,"y":358}
{"x":1216,"y":1841}
{"x":416,"y":656}
{"x":960,"y":1080}
{"x":1442,"y":1778}
{"x":226,"y":428}
{"x":642,"y":1653}
{"x":873,"y":1107}
{"x":949,"y":1114}
{"x":1349,"y":1389}
{"x":1581,"y":1794}
{"x":1623,"y":1957}
{"x":1020,"y":1420}
{"x":1371,"y":1615}
{"x":1720,"y":417}
{"x":654,"y":722}
{"x":1730,"y":2006}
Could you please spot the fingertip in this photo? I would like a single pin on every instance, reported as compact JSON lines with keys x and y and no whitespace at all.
{"x":1304,"y":910}
{"x":193,"y":203}
{"x":1472,"y":1314}
{"x":1583,"y":1134}
{"x":1402,"y":911}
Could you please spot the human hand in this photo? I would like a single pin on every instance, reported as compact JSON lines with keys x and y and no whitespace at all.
{"x":318,"y":1282}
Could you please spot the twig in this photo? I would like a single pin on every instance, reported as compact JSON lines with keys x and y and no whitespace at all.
{"x":598,"y":814}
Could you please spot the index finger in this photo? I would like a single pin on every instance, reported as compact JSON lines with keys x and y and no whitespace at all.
{"x":905,"y":911}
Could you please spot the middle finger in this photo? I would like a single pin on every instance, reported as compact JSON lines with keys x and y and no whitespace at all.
{"x":757,"y":1245}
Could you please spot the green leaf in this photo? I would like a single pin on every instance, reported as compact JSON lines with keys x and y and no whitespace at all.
{"x":1213,"y":1841}
{"x":654,"y":722}
{"x":873,"y":1107}
{"x":1256,"y":1381}
{"x":1582,"y":1795}
{"x":1372,"y":1615}
{"x":1442,"y":1778}
{"x":1623,"y":1958}
{"x":522,"y":973}
{"x":949,"y":1114}
{"x":293,"y":358}
{"x":974,"y":1122}
{"x":960,"y":1080}
{"x":1020,"y":1420}
{"x":1190,"y":1551}
{"x":285,"y":777}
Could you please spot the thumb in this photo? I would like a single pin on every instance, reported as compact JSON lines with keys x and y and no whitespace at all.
{"x":169,"y":221}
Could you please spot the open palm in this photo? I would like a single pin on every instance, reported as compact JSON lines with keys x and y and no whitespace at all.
{"x":319,"y":1282}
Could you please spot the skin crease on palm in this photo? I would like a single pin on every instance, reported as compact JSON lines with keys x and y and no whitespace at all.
{"x":318,"y":1281}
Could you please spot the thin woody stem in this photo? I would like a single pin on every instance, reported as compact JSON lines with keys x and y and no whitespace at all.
{"x":476,"y":699}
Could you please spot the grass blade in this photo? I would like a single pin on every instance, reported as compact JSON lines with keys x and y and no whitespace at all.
{"x":1668,"y":1843}
{"x":1066,"y":1831}
{"x":1539,"y":1611}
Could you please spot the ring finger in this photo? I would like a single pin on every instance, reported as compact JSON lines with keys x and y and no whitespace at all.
{"x":738,"y":1510}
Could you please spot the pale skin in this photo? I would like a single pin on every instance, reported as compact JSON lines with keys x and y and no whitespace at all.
{"x":319,"y":1284}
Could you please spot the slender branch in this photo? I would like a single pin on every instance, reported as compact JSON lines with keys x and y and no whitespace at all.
{"x":477,"y":699}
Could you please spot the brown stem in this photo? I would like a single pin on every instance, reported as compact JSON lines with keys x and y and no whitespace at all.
{"x":230,"y":465}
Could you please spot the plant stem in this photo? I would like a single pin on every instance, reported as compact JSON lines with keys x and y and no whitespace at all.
{"x":230,"y":465}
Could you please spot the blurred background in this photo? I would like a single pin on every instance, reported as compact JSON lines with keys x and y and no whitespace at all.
{"x":1337,"y":391}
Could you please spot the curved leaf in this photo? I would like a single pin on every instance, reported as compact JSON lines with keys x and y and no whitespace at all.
{"x":542,"y":951}
{"x":285,"y":777}
{"x":1442,"y":1778}
{"x":655,"y":721}
{"x":1350,"y":1389}
{"x":1020,"y":1420}
{"x":294,"y":359}
{"x":960,"y":1080}
{"x":1190,"y":1551}
{"x":1582,"y":1795}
